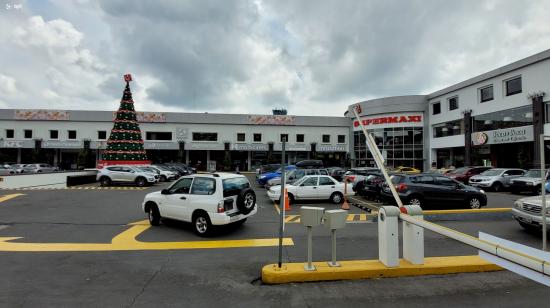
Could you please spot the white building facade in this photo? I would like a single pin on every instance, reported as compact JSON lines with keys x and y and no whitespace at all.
{"x":208,"y":141}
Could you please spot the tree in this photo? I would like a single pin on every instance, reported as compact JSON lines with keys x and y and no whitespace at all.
{"x":125,"y":142}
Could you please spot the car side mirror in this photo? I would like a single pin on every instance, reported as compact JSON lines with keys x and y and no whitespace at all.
{"x":165,"y":192}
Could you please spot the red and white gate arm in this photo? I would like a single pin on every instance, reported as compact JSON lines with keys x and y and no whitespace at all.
{"x":373,"y":148}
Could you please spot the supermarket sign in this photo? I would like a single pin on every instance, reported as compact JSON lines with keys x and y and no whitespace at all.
{"x":391,"y":120}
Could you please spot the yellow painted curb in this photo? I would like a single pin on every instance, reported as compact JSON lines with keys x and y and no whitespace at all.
{"x":365,"y":269}
{"x":491,"y":210}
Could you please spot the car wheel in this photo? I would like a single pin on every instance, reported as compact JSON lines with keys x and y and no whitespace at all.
{"x":290,"y":199}
{"x":141,"y":182}
{"x":105,"y":181}
{"x":497,"y":186}
{"x":201,"y":224}
{"x":474,"y":203}
{"x":163,"y":178}
{"x":538,"y":190}
{"x":415,"y":200}
{"x":336,"y":198}
{"x":246,"y":201}
{"x":153,"y":215}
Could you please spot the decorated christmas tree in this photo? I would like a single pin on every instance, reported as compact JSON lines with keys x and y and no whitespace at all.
{"x":125,"y":145}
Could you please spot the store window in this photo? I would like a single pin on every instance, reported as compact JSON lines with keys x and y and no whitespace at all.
{"x":27,"y":133}
{"x":325,"y":138}
{"x":205,"y":136}
{"x":516,"y":117}
{"x":436,"y":108}
{"x":165,"y":136}
{"x":241,"y":137}
{"x":450,"y":128}
{"x":257,"y":137}
{"x":486,"y":94}
{"x":71,"y":134}
{"x":10,"y":133}
{"x":284,"y":137}
{"x":299,"y":138}
{"x":101,"y":134}
{"x":341,"y":138}
{"x":513,"y":86}
{"x":453,"y":103}
{"x":54,"y":134}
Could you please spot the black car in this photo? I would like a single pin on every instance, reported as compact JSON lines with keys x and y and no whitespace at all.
{"x":337,"y":173}
{"x":310,"y":164}
{"x":371,"y":186}
{"x":434,"y":191}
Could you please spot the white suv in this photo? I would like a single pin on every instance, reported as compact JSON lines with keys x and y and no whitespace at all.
{"x":125,"y":174}
{"x":204,"y":200}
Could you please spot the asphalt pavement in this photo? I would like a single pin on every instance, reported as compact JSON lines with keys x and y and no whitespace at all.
{"x":224,"y":276}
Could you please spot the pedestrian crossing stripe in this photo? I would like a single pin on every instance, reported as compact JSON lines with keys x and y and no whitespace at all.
{"x":352,"y":218}
{"x":77,"y":188}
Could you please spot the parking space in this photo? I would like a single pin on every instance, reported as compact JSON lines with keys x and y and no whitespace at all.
{"x":98,"y":246}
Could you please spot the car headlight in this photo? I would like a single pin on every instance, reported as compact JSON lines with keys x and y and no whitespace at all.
{"x":262,"y":177}
{"x":518,"y":204}
{"x":482,"y":191}
{"x":151,"y":179}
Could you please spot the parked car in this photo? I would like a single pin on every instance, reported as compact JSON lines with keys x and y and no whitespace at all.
{"x":7,"y":170}
{"x":530,"y":181}
{"x":528,"y":212}
{"x":465,"y":173}
{"x":267,"y":169}
{"x":408,"y":170}
{"x":165,"y":174}
{"x":38,"y":168}
{"x":337,"y":173}
{"x":313,"y":163}
{"x":496,"y":179}
{"x":18,"y":168}
{"x":125,"y":174}
{"x":311,"y":187}
{"x":356,"y":174}
{"x":429,"y":190}
{"x":295,"y":175}
{"x":262,"y":180}
{"x":153,"y":171}
{"x":205,"y":200}
{"x":371,"y":186}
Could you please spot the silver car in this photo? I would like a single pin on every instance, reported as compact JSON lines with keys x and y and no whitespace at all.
{"x":38,"y":168}
{"x":528,"y":212}
{"x":295,"y":175}
{"x":7,"y":170}
{"x":125,"y":174}
{"x":496,"y":179}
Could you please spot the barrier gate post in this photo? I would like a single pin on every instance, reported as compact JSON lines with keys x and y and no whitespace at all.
{"x":388,"y":231}
{"x":413,"y":237}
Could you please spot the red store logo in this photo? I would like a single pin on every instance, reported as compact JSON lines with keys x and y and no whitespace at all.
{"x":389,"y":120}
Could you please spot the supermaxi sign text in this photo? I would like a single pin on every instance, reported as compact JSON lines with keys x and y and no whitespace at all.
{"x":391,"y":120}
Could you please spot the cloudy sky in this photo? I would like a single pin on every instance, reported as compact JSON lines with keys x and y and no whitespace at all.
{"x":312,"y":57}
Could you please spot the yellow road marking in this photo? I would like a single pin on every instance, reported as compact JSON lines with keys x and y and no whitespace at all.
{"x":362,"y":217}
{"x":350,"y":217}
{"x":9,"y":197}
{"x":277,"y":208}
{"x":127,"y":241}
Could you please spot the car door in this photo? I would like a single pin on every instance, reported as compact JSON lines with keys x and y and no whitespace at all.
{"x":126,"y":174}
{"x":326,"y":187}
{"x":308,"y":188}
{"x":201,"y":196}
{"x":176,"y":203}
{"x":511,"y":174}
{"x":450,"y":191}
{"x":114,"y":173}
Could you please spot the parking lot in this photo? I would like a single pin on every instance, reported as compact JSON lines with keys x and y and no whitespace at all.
{"x":92,"y":246}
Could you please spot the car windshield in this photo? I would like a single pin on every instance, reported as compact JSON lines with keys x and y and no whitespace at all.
{"x":459,"y":170}
{"x":493,"y":172}
{"x":396,"y":179}
{"x":233,"y":186}
{"x":535,"y":173}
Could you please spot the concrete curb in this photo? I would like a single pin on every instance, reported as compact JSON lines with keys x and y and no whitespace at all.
{"x":366,"y":269}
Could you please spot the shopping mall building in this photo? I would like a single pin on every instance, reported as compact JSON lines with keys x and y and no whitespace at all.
{"x":492,"y":119}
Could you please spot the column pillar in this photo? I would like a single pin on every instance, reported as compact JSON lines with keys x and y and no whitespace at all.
{"x":538,"y":125}
{"x":249,"y":161}
{"x":207,"y":159}
{"x":467,"y":137}
{"x":187,"y":157}
{"x":18,"y":155}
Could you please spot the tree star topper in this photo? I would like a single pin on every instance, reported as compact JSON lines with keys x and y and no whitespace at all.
{"x":128,"y":77}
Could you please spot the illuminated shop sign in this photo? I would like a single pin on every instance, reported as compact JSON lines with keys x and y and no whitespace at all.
{"x":507,"y":135}
{"x":391,"y":120}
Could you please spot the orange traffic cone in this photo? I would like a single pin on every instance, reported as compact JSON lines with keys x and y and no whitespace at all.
{"x":287,"y":201}
{"x":345,"y":205}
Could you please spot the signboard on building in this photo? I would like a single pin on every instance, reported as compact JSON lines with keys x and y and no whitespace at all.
{"x":17,"y":144}
{"x":62,"y":144}
{"x":332,"y":148}
{"x":148,"y":145}
{"x":148,"y":117}
{"x":42,"y":115}
{"x":506,"y":135}
{"x":249,"y":147}
{"x":205,"y":146}
{"x":291,"y":147}
{"x":271,"y":119}
{"x":403,"y":119}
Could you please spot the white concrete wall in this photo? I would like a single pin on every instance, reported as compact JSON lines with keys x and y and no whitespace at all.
{"x":45,"y":180}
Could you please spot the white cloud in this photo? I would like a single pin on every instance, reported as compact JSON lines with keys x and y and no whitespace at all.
{"x":7,"y":85}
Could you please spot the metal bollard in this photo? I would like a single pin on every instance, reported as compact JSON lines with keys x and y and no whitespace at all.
{"x":413,"y":237}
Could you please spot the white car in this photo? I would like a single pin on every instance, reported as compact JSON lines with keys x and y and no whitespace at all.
{"x":165,"y":173}
{"x":125,"y":174}
{"x":311,"y":187}
{"x":205,"y":200}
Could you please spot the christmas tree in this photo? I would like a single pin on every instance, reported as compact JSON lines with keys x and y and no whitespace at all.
{"x":125,"y":145}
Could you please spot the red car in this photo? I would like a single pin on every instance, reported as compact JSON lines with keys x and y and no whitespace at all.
{"x":464,"y":174}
